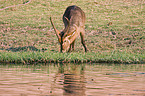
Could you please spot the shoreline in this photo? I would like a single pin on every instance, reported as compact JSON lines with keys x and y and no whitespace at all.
{"x":50,"y":57}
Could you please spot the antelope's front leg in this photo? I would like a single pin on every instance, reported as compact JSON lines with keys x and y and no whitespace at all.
{"x":69,"y":48}
{"x":73,"y":45}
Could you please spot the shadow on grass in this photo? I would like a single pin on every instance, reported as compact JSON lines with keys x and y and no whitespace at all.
{"x":25,"y":48}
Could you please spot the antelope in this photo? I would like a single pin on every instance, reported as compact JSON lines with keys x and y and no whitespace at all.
{"x":74,"y":22}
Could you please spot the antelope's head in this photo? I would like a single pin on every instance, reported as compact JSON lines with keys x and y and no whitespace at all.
{"x":63,"y":37}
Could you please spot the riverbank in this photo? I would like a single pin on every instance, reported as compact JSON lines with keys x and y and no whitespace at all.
{"x":50,"y":57}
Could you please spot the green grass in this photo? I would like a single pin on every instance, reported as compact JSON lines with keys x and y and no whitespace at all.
{"x":53,"y":57}
{"x":115,"y":31}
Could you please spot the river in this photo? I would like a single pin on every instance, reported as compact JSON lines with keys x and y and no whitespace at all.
{"x":72,"y":80}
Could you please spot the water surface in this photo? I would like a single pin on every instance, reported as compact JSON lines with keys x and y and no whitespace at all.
{"x":72,"y":80}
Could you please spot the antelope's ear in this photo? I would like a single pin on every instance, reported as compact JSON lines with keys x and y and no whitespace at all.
{"x":56,"y":31}
{"x":67,"y":19}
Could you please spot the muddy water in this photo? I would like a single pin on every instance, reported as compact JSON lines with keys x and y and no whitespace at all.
{"x":72,"y":80}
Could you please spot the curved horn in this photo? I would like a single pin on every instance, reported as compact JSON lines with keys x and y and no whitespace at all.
{"x":67,"y":28}
{"x":56,"y":31}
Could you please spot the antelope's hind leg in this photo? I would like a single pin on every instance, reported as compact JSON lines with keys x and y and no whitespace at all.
{"x":82,"y":34}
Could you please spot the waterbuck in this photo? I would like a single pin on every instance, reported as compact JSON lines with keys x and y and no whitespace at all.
{"x":74,"y":22}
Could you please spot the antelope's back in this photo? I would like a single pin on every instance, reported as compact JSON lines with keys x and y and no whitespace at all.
{"x":75,"y":15}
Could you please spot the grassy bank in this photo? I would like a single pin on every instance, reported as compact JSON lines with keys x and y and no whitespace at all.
{"x":115,"y":31}
{"x":51,"y":57}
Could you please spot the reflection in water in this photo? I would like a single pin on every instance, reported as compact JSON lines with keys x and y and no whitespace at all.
{"x":73,"y":80}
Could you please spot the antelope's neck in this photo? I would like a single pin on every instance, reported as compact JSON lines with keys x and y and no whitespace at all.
{"x":72,"y":36}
